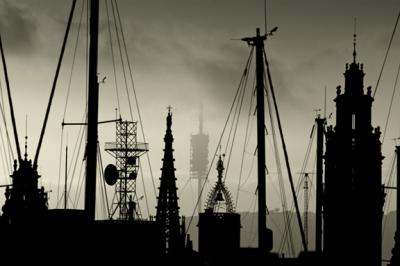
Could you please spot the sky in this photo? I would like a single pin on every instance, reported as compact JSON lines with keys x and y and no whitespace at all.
{"x":184,"y":54}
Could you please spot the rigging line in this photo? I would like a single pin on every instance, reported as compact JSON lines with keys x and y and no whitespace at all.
{"x":59,"y":165}
{"x":243,"y":80}
{"x":144,"y":188}
{"x":298,"y":187}
{"x":6,"y":170}
{"x":113,"y":58}
{"x":391,"y":103}
{"x":105,"y":198}
{"x":389,"y":183}
{"x":237,"y":121}
{"x":303,"y":239}
{"x":68,"y":93}
{"x":245,"y":144}
{"x":249,"y":174}
{"x":184,"y":187}
{"x":73,"y":60}
{"x":10,"y":102}
{"x":7,"y":147}
{"x":135,"y":95}
{"x":122,"y":59}
{"x":233,"y":120}
{"x":54,"y":84}
{"x":6,"y":158}
{"x":386,"y":55}
{"x":280,"y":176}
{"x":102,"y":180}
{"x":219,"y":142}
{"x":80,"y":185}
{"x":75,"y":153}
{"x":192,"y":191}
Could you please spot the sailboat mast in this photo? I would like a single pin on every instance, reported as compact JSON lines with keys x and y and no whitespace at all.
{"x":320,"y":150}
{"x":262,"y":208}
{"x":93,"y":104}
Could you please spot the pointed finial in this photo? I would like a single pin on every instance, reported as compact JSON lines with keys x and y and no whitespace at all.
{"x":26,"y":147}
{"x":220,"y":165}
{"x":169,"y":117}
{"x":26,"y":137}
{"x":355,"y":40}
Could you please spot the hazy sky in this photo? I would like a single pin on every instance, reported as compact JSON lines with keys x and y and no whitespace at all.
{"x":182,"y":54}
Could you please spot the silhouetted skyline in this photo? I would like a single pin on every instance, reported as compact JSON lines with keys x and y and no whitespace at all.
{"x":182,"y":52}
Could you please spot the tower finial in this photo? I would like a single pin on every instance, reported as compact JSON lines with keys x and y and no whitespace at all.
{"x":26,"y":137}
{"x":355,"y":40}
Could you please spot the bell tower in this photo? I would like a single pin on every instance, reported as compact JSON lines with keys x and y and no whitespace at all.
{"x":353,"y":195}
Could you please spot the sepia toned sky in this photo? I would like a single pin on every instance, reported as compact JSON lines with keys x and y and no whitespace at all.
{"x":183,"y":54}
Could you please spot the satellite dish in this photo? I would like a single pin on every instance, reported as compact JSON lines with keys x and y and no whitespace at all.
{"x":111,"y":174}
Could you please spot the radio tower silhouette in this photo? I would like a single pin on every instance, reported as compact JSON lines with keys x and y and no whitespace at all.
{"x":199,"y":158}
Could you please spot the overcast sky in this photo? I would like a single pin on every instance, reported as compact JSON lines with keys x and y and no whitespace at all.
{"x":183,"y":55}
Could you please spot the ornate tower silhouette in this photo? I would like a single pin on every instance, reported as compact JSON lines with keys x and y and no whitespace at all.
{"x":219,"y":193}
{"x":219,"y":225}
{"x":26,"y":203}
{"x":353,"y":196}
{"x":167,"y":207}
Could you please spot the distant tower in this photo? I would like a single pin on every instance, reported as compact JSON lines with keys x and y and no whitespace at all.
{"x":199,"y":158}
{"x":219,"y":225}
{"x":353,"y":196}
{"x":127,"y":152}
{"x":167,"y":207}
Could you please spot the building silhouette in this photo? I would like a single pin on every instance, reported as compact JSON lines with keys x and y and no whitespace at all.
{"x":353,"y":196}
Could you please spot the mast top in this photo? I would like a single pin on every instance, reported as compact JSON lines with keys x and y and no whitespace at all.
{"x":355,"y":41}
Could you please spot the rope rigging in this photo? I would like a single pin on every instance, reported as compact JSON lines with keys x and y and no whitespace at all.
{"x":235,"y":122}
{"x":68,"y":94}
{"x":10,"y":102}
{"x":54,"y":83}
{"x":7,"y":156}
{"x":391,"y":103}
{"x":298,"y":186}
{"x":285,"y":154}
{"x":280,"y":175}
{"x":386,"y":55}
{"x":245,"y":141}
{"x":389,"y":183}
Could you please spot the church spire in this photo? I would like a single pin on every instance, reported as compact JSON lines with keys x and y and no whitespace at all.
{"x":167,"y":207}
